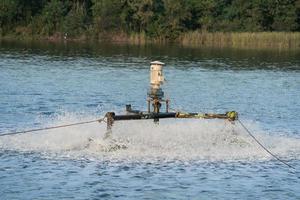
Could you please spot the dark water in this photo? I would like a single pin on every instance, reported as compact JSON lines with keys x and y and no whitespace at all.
{"x":44,"y":84}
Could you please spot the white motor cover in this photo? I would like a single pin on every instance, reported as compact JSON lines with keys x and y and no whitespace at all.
{"x":156,"y":74}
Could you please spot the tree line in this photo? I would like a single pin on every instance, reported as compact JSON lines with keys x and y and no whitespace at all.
{"x":155,"y":18}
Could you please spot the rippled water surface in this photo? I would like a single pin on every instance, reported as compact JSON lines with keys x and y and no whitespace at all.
{"x":52,"y":84}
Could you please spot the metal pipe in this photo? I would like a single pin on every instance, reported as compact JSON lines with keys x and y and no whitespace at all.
{"x":111,"y":117}
{"x":144,"y":116}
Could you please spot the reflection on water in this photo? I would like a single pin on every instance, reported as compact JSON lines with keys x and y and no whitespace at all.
{"x":234,"y":59}
{"x":48,"y":84}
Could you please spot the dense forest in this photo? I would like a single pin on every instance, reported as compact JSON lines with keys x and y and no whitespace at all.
{"x":165,"y":19}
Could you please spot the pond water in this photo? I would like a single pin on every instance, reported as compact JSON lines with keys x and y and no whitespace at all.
{"x":45,"y":84}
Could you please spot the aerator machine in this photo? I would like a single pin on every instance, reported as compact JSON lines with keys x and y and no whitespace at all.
{"x":155,"y":100}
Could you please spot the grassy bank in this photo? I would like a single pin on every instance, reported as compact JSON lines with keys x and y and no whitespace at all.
{"x":258,"y":40}
{"x":243,"y":40}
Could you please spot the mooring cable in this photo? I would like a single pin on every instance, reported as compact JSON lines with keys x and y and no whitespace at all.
{"x":52,"y":127}
{"x":262,"y":146}
{"x":259,"y":143}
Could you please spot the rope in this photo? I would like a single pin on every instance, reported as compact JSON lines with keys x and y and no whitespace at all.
{"x":52,"y":127}
{"x":262,"y":146}
{"x":258,"y":142}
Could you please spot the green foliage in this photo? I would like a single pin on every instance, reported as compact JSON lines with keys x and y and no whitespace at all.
{"x":159,"y":19}
{"x":8,"y":13}
{"x":203,"y":14}
{"x":285,"y":16}
{"x":137,"y":14}
{"x":107,"y":14}
{"x":264,"y":11}
{"x":52,"y":17}
{"x":297,"y":7}
{"x":76,"y":20}
{"x":175,"y":14}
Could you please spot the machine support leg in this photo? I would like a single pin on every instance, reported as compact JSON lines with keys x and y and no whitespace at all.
{"x":110,"y":121}
{"x":167,"y":105}
{"x":156,"y":106}
{"x":148,"y":103}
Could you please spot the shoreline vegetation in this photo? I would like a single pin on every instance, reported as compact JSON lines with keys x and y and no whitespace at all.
{"x":247,"y":40}
{"x":257,"y":24}
{"x":242,"y":40}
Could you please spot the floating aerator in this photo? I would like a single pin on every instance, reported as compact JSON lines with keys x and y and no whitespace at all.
{"x":156,"y":98}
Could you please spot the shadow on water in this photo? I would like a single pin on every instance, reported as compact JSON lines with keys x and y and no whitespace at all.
{"x":174,"y":55}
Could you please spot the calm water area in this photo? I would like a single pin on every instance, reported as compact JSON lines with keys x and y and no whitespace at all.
{"x":47,"y":84}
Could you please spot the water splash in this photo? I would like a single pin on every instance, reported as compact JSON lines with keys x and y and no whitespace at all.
{"x":179,"y":139}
